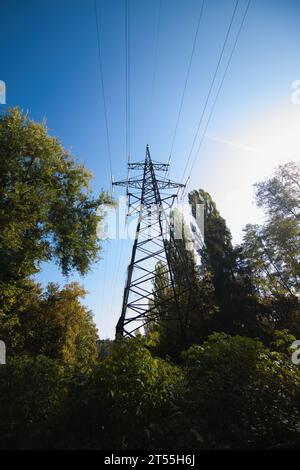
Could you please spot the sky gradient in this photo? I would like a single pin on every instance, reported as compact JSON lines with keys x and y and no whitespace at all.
{"x":49,"y":63}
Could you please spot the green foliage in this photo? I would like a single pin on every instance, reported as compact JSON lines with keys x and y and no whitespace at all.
{"x":272,"y":251}
{"x":179,"y":326}
{"x":281,"y":341}
{"x":104,"y":347}
{"x":46,"y":208}
{"x":122,"y":405}
{"x":234,"y":294}
{"x":63,"y":388}
{"x":197,"y":313}
{"x":31,"y":393}
{"x":280,"y":194}
{"x":231,"y":392}
{"x":240,"y":395}
{"x":54,"y":324}
{"x":274,"y":248}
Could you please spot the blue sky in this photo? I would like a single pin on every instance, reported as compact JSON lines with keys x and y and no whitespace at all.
{"x":49,"y":63}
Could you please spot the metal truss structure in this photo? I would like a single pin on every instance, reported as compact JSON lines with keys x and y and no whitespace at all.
{"x":150,"y":196}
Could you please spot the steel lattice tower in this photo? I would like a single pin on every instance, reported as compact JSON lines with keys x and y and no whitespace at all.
{"x":151,"y":199}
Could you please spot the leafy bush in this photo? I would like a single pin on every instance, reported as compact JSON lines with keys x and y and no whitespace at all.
{"x":123,"y":403}
{"x":240,"y":395}
{"x":31,"y":393}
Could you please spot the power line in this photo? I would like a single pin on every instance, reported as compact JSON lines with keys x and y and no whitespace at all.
{"x":187,"y":77}
{"x":103,"y":286}
{"x":127,"y":130}
{"x":120,"y":263}
{"x":116,"y":274}
{"x":221,"y":85}
{"x":211,"y":87}
{"x":102,"y":88}
{"x":156,"y":50}
{"x":127,"y":75}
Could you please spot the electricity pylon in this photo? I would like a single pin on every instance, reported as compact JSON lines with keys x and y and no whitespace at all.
{"x":149,"y":196}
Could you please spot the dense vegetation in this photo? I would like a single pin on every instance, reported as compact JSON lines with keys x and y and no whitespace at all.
{"x":225,"y":380}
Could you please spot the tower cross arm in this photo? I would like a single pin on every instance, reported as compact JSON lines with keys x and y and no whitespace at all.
{"x":156,"y":165}
{"x":165,"y":184}
{"x":133,"y":183}
{"x":137,"y":183}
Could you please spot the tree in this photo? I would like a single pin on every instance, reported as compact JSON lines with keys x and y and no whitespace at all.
{"x":47,"y":211}
{"x":272,"y":250}
{"x":104,"y":347}
{"x":54,"y":324}
{"x":187,"y":322}
{"x":239,"y":395}
{"x":235,"y":296}
{"x":280,"y":194}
